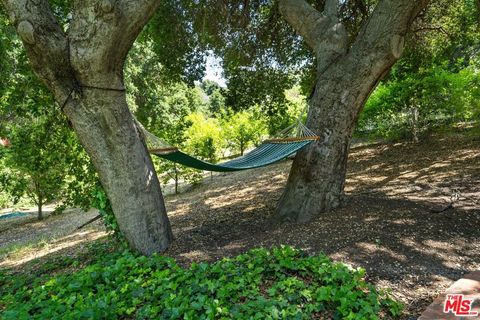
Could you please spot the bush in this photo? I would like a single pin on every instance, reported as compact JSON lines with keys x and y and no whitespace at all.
{"x":420,"y":102}
{"x":277,"y":284}
{"x":4,"y":200}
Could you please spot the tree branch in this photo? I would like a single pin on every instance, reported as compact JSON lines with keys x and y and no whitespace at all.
{"x":305,"y":19}
{"x":102,"y":33}
{"x":45,"y":43}
{"x":331,"y":8}
{"x":385,"y":30}
{"x":322,"y":31}
{"x":433,"y":28}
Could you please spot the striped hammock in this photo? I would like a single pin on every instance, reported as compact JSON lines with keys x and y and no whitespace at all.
{"x":269,"y":152}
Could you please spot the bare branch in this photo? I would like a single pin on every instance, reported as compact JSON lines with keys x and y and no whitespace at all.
{"x":45,"y":43}
{"x":433,"y":28}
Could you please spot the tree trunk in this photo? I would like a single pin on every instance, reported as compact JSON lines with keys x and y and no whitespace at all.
{"x":40,"y":208}
{"x":414,"y":117}
{"x":83,"y":67}
{"x":346,"y":75}
{"x":317,"y":178}
{"x":106,"y":128}
{"x":176,"y":178}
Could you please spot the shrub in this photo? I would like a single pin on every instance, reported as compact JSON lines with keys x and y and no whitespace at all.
{"x":421,"y":102}
{"x":282,"y":283}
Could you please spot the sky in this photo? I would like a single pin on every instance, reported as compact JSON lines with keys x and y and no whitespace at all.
{"x":214,"y":70}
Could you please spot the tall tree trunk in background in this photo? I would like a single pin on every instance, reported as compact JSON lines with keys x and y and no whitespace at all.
{"x":346,"y":75}
{"x":414,"y":121}
{"x":176,"y":178}
{"x":40,"y":208}
{"x":84,"y":70}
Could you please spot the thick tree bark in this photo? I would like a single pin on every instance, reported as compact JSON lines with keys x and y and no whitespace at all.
{"x":345,"y":78}
{"x":84,"y":69}
{"x":106,"y":128}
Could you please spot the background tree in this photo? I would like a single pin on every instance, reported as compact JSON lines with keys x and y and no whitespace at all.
{"x":243,"y":129}
{"x":435,"y":83}
{"x":216,"y":96}
{"x":36,"y":163}
{"x":204,"y":137}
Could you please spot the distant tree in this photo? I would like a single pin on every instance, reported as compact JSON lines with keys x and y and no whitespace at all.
{"x":36,"y":163}
{"x":29,"y":116}
{"x":436,"y":81}
{"x":203,"y":137}
{"x":162,"y":106}
{"x":216,"y":96}
{"x":408,"y":107}
{"x":243,"y":129}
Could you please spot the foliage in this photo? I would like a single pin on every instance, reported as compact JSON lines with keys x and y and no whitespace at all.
{"x":436,"y":82}
{"x":45,"y":161}
{"x":100,"y":201}
{"x":204,"y":137}
{"x":260,"y":87}
{"x":422,"y":101}
{"x":278,"y":283}
{"x":4,"y":199}
{"x":447,"y":34}
{"x":216,"y":96}
{"x":33,"y":169}
{"x":161,"y":106}
{"x":243,"y":129}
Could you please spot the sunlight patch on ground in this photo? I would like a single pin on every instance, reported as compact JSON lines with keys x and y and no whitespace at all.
{"x":371,"y":248}
{"x":28,"y":253}
{"x":409,"y":222}
{"x":196,"y":255}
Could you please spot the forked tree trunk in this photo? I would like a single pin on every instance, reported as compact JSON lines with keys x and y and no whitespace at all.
{"x":317,"y":178}
{"x":83,"y":67}
{"x":106,"y":129}
{"x":346,"y":75}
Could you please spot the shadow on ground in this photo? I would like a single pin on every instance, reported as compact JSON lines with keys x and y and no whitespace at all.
{"x":386,"y":225}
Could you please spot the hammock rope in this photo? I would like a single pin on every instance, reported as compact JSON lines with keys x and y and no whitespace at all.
{"x":268,"y":152}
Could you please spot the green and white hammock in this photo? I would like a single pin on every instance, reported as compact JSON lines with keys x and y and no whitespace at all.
{"x":269,"y":152}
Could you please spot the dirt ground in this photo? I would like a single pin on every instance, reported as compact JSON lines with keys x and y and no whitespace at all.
{"x":390,"y":223}
{"x":387,"y":224}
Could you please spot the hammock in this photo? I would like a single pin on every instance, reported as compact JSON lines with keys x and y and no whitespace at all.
{"x":269,"y":152}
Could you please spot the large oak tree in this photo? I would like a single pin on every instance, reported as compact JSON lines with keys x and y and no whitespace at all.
{"x":83,"y":65}
{"x":347,"y":71}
